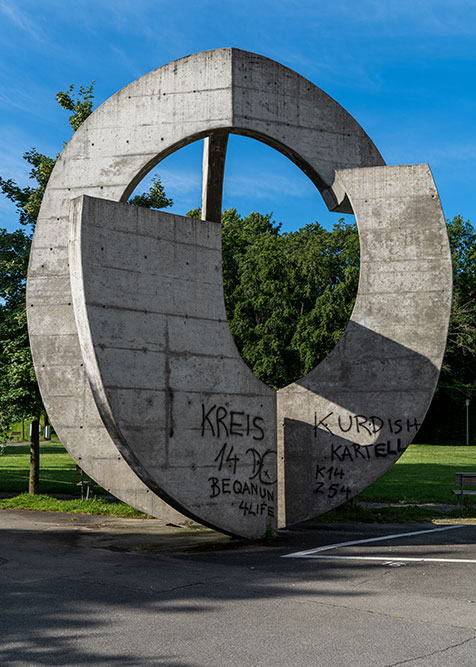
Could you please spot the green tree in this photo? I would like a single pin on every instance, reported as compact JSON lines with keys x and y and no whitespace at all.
{"x":459,"y":365}
{"x":289,"y":298}
{"x":154,"y":198}
{"x":288,"y":295}
{"x":19,"y":394}
{"x":81,"y":106}
{"x":446,"y":419}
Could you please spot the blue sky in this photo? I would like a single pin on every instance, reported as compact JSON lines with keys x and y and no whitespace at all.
{"x":406,"y":70}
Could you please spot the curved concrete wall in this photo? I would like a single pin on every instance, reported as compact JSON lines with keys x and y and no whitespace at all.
{"x":347,"y":422}
{"x":87,"y":363}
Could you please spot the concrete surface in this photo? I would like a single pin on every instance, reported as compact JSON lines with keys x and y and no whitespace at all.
{"x":347,"y":422}
{"x":213,"y":173}
{"x":181,"y":405}
{"x":214,"y":91}
{"x":141,"y":369}
{"x":80,"y":590}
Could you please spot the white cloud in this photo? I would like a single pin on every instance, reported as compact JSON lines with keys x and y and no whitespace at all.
{"x":21,"y":20}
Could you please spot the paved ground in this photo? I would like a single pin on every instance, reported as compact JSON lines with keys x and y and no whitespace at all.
{"x":79,"y":590}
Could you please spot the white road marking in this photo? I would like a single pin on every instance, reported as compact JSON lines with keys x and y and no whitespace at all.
{"x":393,"y":563}
{"x":327,"y":547}
{"x":397,"y":559}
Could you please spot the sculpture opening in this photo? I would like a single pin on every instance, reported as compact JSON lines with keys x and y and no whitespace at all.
{"x":289,"y":284}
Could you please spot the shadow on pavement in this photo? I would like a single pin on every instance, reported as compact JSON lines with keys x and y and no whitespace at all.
{"x":63,"y":585}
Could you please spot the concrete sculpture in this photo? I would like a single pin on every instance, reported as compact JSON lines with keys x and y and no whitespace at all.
{"x":134,"y":357}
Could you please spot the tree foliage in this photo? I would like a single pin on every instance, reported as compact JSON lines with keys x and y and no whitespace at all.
{"x":81,"y":107}
{"x":459,"y":367}
{"x":446,"y":419}
{"x":288,"y":295}
{"x":154,"y":198}
{"x":19,"y":394}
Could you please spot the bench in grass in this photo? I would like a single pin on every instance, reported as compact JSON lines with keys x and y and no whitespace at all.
{"x":464,"y":479}
{"x":86,"y":484}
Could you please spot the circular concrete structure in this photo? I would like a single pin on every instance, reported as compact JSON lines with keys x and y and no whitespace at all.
{"x":134,"y":358}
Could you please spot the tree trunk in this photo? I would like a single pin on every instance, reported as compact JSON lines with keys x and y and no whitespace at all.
{"x":23,"y":430}
{"x":34,"y":482}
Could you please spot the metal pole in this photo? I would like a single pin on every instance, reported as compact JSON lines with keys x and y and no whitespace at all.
{"x":34,"y":481}
{"x":467,"y":421}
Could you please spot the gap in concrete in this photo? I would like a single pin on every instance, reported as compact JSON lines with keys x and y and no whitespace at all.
{"x":257,"y":178}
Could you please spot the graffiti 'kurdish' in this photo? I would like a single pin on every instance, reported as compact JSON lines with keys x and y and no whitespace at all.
{"x":336,"y":424}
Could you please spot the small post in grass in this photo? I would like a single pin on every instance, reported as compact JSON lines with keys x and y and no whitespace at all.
{"x":467,"y":421}
{"x":34,"y":481}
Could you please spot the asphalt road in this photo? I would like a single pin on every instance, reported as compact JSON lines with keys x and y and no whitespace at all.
{"x":78,"y":590}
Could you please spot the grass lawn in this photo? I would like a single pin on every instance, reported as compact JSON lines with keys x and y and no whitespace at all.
{"x":57,"y":476}
{"x":16,"y":428}
{"x":423,"y":474}
{"x":44,"y":503}
{"x":57,"y":470}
